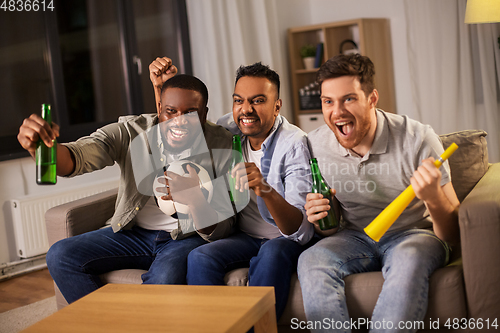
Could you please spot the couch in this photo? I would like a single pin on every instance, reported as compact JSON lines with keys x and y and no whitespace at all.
{"x":467,"y":288}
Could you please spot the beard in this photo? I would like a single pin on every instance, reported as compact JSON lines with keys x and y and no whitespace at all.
{"x":362,"y":127}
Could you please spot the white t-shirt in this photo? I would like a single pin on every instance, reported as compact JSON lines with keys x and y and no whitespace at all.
{"x":152,"y":218}
{"x":251,"y":222}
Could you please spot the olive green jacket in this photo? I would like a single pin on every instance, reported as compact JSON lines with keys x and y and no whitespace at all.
{"x":112,"y":143}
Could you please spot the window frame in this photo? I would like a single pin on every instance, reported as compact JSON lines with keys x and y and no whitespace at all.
{"x":9,"y":146}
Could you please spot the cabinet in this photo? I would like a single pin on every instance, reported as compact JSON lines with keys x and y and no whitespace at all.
{"x":372,"y":37}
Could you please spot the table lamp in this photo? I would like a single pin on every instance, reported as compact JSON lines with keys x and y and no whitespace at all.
{"x":482,"y":11}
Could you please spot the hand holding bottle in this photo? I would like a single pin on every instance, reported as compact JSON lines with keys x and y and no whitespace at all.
{"x":318,"y":206}
{"x":318,"y":203}
{"x":35,"y":128}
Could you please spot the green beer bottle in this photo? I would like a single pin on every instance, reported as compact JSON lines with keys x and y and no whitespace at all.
{"x":319,"y":186}
{"x":46,"y":157}
{"x":237,"y":197}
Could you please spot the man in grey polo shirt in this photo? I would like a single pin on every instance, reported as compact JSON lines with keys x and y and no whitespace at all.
{"x":369,"y":157}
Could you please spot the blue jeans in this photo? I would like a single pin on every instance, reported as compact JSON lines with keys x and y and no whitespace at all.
{"x":407,"y":260}
{"x":75,"y":263}
{"x":271,"y":263}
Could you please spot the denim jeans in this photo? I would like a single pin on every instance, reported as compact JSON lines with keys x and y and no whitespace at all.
{"x":271,"y":263}
{"x":75,"y":263}
{"x":407,"y":259}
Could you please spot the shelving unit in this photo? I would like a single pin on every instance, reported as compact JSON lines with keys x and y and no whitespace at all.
{"x":372,"y":37}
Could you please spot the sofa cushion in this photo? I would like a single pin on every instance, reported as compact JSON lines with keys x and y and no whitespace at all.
{"x":470,"y":162}
{"x":237,"y":277}
{"x":294,"y":306}
{"x":446,"y":294}
{"x":124,"y":276}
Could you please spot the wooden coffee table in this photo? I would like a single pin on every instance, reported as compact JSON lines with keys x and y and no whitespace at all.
{"x":166,"y":308}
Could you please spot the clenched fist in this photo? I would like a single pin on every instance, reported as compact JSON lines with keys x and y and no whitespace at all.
{"x":160,"y":70}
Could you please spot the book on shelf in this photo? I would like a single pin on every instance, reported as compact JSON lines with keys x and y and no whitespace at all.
{"x":319,"y":55}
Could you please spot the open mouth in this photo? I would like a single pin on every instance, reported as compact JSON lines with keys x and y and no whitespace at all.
{"x":345,"y":127}
{"x":248,"y":121}
{"x":177,"y":133}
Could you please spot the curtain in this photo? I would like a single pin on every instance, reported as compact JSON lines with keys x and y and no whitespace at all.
{"x":454,"y":69}
{"x":226,"y":34}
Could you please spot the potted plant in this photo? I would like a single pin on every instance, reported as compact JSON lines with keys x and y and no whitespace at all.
{"x":308,"y":54}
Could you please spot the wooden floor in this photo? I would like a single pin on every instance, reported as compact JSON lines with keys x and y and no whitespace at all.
{"x":25,"y":289}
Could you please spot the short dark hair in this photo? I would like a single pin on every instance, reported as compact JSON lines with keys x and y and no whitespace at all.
{"x":259,"y":70}
{"x":188,"y":82}
{"x":349,"y":65}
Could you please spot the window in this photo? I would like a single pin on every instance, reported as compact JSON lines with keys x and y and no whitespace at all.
{"x":89,"y":59}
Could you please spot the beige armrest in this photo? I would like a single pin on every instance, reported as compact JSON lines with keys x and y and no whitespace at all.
{"x":79,"y":216}
{"x":479,"y":219}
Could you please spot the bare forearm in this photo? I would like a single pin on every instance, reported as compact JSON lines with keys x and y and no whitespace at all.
{"x":445,"y":218}
{"x":440,"y":200}
{"x":157,"y":97}
{"x":65,"y":161}
{"x":287,"y":217}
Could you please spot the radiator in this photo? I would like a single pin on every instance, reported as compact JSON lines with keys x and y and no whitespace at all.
{"x":28,"y":216}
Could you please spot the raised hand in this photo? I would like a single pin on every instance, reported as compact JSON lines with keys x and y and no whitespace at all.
{"x":35,"y":128}
{"x":160,"y":70}
{"x":426,"y":181}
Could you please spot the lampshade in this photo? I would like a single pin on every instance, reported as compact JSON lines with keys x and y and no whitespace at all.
{"x":482,"y":11}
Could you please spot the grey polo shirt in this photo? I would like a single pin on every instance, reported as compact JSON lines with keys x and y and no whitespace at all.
{"x":366,"y":185}
{"x":111,"y":144}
